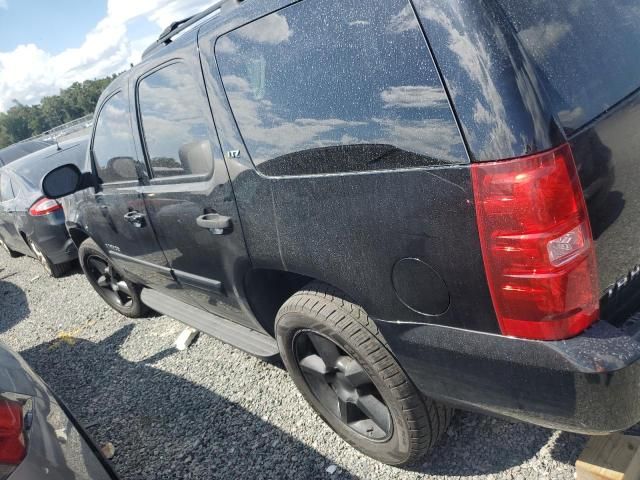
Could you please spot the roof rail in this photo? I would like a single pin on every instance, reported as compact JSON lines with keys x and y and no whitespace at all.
{"x":180,"y":25}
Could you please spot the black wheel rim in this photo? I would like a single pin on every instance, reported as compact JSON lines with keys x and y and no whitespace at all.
{"x":108,"y":281}
{"x":342,"y":386}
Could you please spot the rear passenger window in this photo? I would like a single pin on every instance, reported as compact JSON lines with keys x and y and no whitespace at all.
{"x":175,"y":129}
{"x":113,"y":150}
{"x":324,"y":86}
{"x":6,"y":192}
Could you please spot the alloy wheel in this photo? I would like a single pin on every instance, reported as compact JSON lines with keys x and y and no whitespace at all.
{"x":342,"y":385}
{"x":109,"y":281}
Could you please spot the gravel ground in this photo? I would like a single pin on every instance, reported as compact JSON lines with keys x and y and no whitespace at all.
{"x":215,"y":412}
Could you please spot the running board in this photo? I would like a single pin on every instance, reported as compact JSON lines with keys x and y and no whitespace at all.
{"x":229,"y":332}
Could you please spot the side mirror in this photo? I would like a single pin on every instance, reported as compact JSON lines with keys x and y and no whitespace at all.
{"x":65,"y":180}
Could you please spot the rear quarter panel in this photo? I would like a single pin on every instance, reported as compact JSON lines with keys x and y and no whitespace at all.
{"x":350,"y":229}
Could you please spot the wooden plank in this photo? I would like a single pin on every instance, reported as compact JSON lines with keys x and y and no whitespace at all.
{"x":610,"y":457}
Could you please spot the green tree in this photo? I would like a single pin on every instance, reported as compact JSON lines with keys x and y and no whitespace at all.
{"x":5,"y":139}
{"x":16,"y":122}
{"x":77,"y":100}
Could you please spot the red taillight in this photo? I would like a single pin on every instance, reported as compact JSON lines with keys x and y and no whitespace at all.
{"x":44,"y":206}
{"x":12,"y":442}
{"x":537,"y":245}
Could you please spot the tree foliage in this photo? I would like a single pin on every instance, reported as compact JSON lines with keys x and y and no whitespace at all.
{"x":24,"y":121}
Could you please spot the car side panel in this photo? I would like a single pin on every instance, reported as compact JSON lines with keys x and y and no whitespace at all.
{"x":349,"y":230}
{"x":8,"y":230}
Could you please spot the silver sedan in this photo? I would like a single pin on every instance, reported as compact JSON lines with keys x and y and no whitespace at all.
{"x":39,"y":439}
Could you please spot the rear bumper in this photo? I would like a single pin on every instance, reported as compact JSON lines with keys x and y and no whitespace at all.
{"x":588,"y":384}
{"x":50,"y":233}
{"x":61,"y":252}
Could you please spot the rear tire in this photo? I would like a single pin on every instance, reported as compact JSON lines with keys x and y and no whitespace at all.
{"x":118,"y":292}
{"x":12,"y":253}
{"x":52,"y":269}
{"x":306,"y":327}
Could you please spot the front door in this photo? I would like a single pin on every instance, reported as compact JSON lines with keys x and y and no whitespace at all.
{"x":189,"y":198}
{"x":119,"y":222}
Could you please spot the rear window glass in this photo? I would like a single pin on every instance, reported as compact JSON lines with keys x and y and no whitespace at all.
{"x":39,"y":165}
{"x":324,"y":86}
{"x":19,"y":150}
{"x":589,"y":51}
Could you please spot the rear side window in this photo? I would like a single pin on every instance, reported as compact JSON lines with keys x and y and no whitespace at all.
{"x":587,"y":50}
{"x":324,"y":86}
{"x":6,"y":192}
{"x":113,"y":150}
{"x":175,"y":129}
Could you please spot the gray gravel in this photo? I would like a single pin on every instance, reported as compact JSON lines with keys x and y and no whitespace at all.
{"x":214,"y":412}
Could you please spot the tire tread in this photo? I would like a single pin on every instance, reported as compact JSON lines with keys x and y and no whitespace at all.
{"x":426,"y":418}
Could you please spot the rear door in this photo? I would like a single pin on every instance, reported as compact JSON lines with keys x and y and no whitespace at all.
{"x":8,"y":230}
{"x":189,"y":198}
{"x":117,"y":214}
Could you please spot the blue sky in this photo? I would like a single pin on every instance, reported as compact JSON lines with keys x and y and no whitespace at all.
{"x":46,"y":45}
{"x":48,"y":24}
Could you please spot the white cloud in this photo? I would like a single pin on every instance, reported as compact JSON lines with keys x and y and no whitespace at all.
{"x":542,"y":37}
{"x":272,"y":29}
{"x":474,"y":57}
{"x":403,"y":21}
{"x":29,"y":72}
{"x":4,"y":5}
{"x":225,"y":45}
{"x":414,"y":96}
{"x":572,"y":118}
{"x":438,"y":137}
{"x":272,"y":133}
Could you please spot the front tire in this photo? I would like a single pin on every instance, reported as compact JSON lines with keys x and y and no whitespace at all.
{"x":118,"y":292}
{"x":343,"y":367}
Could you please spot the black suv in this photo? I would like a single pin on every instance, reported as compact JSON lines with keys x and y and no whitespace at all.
{"x":405,"y":199}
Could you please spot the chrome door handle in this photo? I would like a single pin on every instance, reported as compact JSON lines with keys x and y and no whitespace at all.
{"x":135,"y":218}
{"x":215,"y":223}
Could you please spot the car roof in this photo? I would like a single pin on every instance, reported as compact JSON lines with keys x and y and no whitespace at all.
{"x":156,"y":51}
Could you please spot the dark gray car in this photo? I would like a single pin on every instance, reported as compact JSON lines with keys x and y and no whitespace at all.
{"x":30,"y":223}
{"x":38,"y":436}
